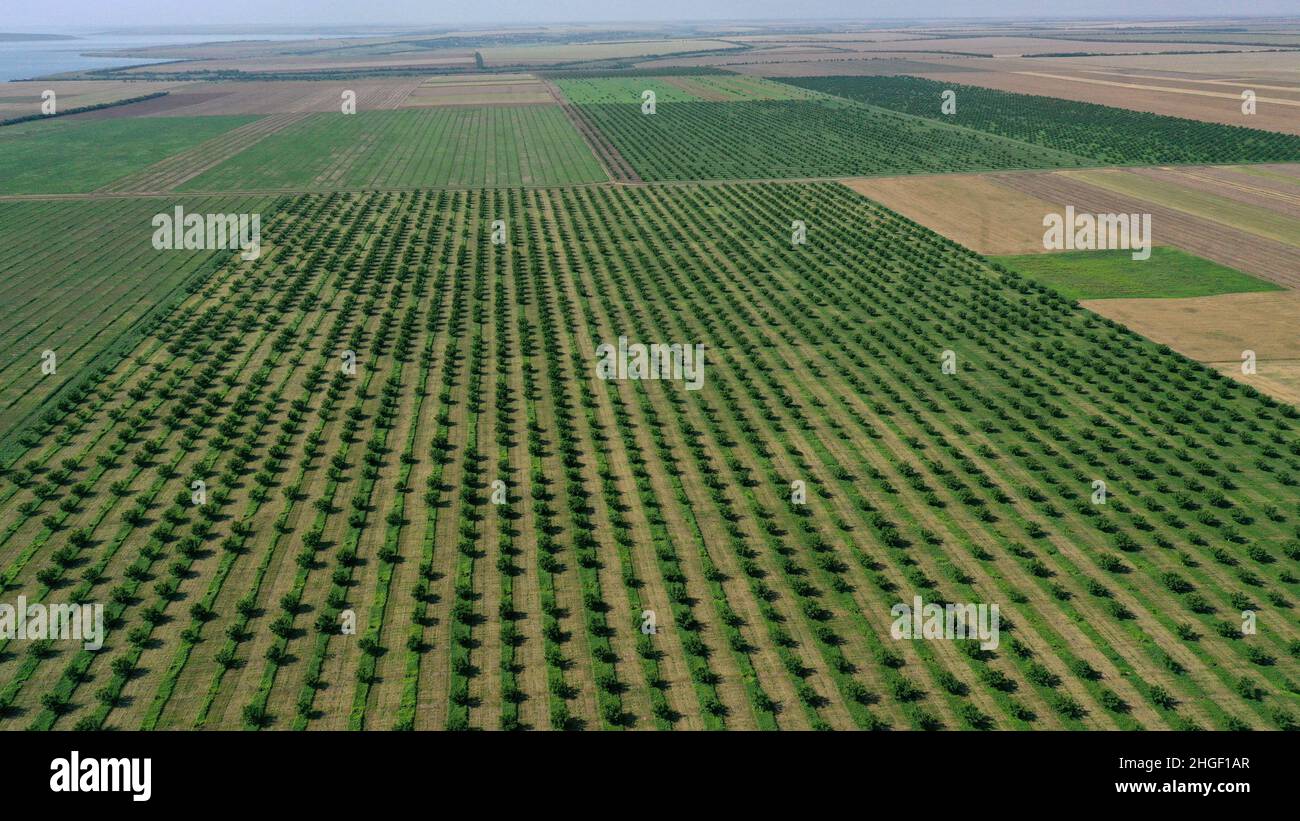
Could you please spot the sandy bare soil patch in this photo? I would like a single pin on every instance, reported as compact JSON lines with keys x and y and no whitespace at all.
{"x":1201,"y":83}
{"x":970,"y":209}
{"x":1217,"y":329}
{"x":1168,"y":88}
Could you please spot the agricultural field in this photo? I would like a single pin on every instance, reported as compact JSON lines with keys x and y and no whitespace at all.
{"x":574,"y":52}
{"x":1101,"y":133}
{"x":373,"y":490}
{"x":24,"y":99}
{"x":285,"y":96}
{"x":1203,"y":87}
{"x":1244,"y":239}
{"x":82,"y":279}
{"x":500,"y":89}
{"x":67,"y":155}
{"x":170,"y":173}
{"x":731,"y":89}
{"x":1216,"y":330}
{"x":799,"y":138}
{"x":1169,"y":273}
{"x":440,"y":146}
{"x":684,"y":88}
{"x":968,"y":208}
{"x":414,"y":465}
{"x":1273,"y":215}
{"x":622,"y":90}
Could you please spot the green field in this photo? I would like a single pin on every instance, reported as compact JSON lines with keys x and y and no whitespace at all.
{"x":784,"y":138}
{"x":82,"y":278}
{"x":1104,"y":134}
{"x":1116,"y":275}
{"x":66,"y":156}
{"x":382,"y":476}
{"x":743,"y":87}
{"x":435,"y":147}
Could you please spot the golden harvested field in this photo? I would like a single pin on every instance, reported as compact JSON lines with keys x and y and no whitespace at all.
{"x":1217,"y":329}
{"x":292,"y":96}
{"x":968,"y":208}
{"x":24,"y":98}
{"x":1019,"y":46}
{"x":1264,"y":65}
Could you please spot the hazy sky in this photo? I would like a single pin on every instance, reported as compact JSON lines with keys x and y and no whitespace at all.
{"x":50,"y":14}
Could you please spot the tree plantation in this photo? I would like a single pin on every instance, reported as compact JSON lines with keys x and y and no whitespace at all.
{"x":372,"y":479}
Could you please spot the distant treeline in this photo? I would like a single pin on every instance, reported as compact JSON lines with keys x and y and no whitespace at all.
{"x":82,"y":109}
{"x":593,"y":68}
{"x":1278,"y":46}
{"x":1151,"y":53}
{"x":630,"y":71}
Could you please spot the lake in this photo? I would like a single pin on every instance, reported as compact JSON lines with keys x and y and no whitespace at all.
{"x":29,"y":59}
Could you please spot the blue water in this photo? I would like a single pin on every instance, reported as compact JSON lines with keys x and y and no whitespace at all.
{"x":29,"y":59}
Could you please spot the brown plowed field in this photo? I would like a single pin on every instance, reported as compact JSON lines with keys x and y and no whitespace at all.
{"x":1270,"y":259}
{"x":1255,"y":191}
{"x":970,"y":209}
